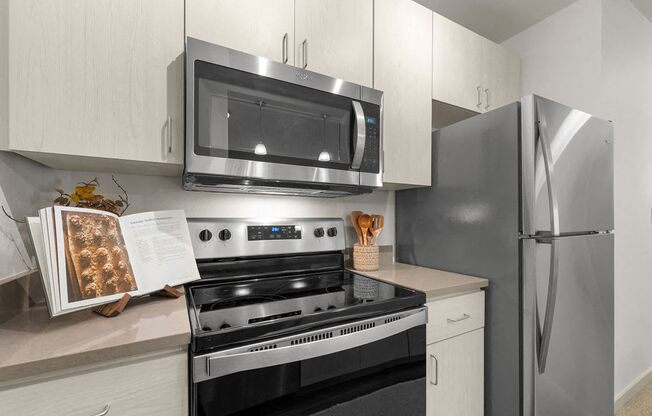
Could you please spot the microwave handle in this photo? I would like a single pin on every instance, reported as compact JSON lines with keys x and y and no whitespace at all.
{"x":360,"y":131}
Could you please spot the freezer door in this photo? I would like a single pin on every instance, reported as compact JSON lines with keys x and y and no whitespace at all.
{"x":568,"y":326}
{"x":567,"y":169}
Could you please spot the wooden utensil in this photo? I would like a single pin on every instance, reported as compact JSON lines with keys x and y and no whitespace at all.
{"x":354,"y":219}
{"x":377,"y":222}
{"x":364,"y":221}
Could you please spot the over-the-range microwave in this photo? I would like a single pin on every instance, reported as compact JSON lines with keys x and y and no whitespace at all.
{"x":255,"y":125}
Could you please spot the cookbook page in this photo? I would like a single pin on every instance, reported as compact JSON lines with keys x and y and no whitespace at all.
{"x":160,"y":248}
{"x":46,"y":216}
{"x":93,"y":262}
{"x":36,"y":235}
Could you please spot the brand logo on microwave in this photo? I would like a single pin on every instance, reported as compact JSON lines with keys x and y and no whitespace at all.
{"x":303,"y":75}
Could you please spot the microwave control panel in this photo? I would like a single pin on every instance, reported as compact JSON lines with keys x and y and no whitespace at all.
{"x":371,"y":160}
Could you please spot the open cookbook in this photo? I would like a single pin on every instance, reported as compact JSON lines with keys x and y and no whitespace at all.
{"x":89,"y":257}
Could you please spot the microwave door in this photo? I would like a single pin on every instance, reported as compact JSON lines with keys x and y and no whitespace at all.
{"x":359,"y":135}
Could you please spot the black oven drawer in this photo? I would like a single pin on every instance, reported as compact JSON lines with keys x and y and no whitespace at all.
{"x":382,"y":377}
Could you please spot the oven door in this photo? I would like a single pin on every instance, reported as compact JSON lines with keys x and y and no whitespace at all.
{"x":371,"y":367}
{"x":249,"y":117}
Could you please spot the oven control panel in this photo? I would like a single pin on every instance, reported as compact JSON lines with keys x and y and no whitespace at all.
{"x":214,"y":238}
{"x":273,"y":232}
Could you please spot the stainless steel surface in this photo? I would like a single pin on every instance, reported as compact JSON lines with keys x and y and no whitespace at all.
{"x":287,"y":190}
{"x":241,"y":315}
{"x":581,"y":148}
{"x":360,"y":130}
{"x":548,"y":164}
{"x":472,"y":227}
{"x":486,"y":91}
{"x":105,"y":411}
{"x":370,"y":95}
{"x":479,"y":96}
{"x":305,"y":345}
{"x":237,"y":168}
{"x":285,"y":48}
{"x":239,"y":245}
{"x":464,"y":316}
{"x":169,"y":135}
{"x":579,"y":377}
{"x":529,"y":134}
{"x":435,"y":370}
{"x":304,"y":48}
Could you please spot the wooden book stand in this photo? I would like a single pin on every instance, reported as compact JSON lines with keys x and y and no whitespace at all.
{"x":115,"y":308}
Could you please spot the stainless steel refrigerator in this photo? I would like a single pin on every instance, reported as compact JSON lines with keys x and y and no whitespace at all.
{"x":523,"y":195}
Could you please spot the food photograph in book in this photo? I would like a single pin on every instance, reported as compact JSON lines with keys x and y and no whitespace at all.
{"x":97,"y":260}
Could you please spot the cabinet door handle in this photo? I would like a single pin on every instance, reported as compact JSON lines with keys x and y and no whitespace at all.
{"x":104,"y":411}
{"x":486,"y":91}
{"x":479,"y":96}
{"x":284,"y":47}
{"x":435,"y":370}
{"x":304,"y":46}
{"x":169,"y":136}
{"x":464,"y":316}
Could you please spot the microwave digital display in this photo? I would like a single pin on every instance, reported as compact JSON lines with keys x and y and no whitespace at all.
{"x":371,"y":120}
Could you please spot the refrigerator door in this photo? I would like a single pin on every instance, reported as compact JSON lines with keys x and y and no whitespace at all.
{"x":567,"y":169}
{"x":568,"y":364}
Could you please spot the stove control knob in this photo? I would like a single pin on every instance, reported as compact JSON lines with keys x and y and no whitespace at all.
{"x":319,"y":232}
{"x":224,"y":235}
{"x":332,"y":232}
{"x":205,"y":235}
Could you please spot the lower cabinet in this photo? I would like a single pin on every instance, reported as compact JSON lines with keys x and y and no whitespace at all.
{"x":155,"y":384}
{"x":455,"y":361}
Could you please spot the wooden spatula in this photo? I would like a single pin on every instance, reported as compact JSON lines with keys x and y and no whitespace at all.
{"x":364,"y":221}
{"x":354,"y":219}
{"x":377,"y":222}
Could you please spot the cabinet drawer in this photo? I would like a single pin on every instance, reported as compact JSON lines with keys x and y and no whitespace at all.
{"x":156,"y":385}
{"x":454,"y":316}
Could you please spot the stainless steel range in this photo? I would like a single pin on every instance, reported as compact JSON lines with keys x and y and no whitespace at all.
{"x":280,"y":327}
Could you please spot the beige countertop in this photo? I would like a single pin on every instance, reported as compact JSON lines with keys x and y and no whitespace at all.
{"x":430,"y":281}
{"x":32,"y":344}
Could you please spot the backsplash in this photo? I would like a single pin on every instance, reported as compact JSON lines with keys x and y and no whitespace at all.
{"x":28,"y":186}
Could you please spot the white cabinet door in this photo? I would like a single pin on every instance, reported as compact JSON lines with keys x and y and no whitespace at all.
{"x":502,"y":75}
{"x":258,"y":27}
{"x":101,"y":79}
{"x":455,"y":378}
{"x":403,"y":71}
{"x":457,"y":64}
{"x":338,"y":36}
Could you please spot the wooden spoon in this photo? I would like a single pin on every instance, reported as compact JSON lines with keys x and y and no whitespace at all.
{"x":377,"y":222}
{"x":364,"y":221}
{"x":354,"y":219}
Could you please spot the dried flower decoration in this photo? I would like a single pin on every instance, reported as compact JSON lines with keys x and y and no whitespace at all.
{"x":85,"y":197}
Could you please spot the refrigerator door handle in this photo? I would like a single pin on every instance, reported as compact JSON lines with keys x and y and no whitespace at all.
{"x":549,"y":168}
{"x":543,"y":335}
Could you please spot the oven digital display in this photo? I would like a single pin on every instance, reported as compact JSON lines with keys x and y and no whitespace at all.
{"x":273,"y":232}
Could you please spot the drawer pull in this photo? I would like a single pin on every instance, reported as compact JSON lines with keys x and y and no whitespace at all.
{"x":104,"y":411}
{"x":464,"y":316}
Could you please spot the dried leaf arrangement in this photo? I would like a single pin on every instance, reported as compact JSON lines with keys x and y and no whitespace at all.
{"x":85,"y":197}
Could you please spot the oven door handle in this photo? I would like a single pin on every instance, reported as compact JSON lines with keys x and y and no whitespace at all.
{"x":223,"y":363}
{"x":360,"y":131}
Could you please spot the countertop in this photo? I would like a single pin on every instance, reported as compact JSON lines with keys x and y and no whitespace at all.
{"x":432,"y":282}
{"x":31,"y":343}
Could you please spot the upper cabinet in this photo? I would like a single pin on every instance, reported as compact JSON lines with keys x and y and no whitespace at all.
{"x":335,"y":38}
{"x":472,"y":72}
{"x":95,"y":85}
{"x":403,"y":71}
{"x":258,"y":27}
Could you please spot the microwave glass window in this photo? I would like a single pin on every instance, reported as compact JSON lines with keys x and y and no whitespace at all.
{"x":246,"y":116}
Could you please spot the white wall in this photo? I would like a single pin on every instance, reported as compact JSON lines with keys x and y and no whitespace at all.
{"x":596,"y":55}
{"x":29,"y":186}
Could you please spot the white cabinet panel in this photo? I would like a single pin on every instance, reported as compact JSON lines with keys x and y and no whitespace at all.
{"x":403,"y":71}
{"x":455,"y":376}
{"x":98,"y":79}
{"x":257,"y":27}
{"x":454,"y":316}
{"x":502,"y":75}
{"x":457,"y":64}
{"x":338,"y":36}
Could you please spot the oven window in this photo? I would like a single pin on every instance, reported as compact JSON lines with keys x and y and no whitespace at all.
{"x":386,"y":377}
{"x":245,"y":116}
